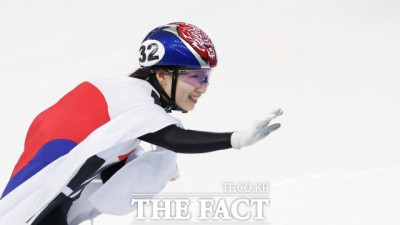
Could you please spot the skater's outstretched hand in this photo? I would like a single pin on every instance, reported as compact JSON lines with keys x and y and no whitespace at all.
{"x":257,"y":131}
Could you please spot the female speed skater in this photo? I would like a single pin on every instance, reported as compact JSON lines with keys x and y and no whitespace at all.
{"x":82,"y":156}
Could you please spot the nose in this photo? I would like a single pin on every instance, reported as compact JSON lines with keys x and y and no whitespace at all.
{"x":202,"y":89}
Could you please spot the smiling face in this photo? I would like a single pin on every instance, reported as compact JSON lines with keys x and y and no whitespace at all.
{"x":186,"y":95}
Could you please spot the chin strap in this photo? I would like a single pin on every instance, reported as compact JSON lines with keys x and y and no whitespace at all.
{"x":166,"y":102}
{"x":174,"y":81}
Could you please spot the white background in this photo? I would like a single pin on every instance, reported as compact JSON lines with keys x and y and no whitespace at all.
{"x":332,"y":65}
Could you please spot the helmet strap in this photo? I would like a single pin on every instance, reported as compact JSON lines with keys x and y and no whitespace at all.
{"x":173,"y":90}
{"x":169,"y":102}
{"x":173,"y":86}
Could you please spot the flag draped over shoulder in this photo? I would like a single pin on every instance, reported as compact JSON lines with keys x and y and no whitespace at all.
{"x":95,"y":125}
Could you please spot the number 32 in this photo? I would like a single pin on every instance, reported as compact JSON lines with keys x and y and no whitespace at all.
{"x":152,"y":55}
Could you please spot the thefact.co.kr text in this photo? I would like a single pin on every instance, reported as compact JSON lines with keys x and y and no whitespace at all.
{"x":239,"y":201}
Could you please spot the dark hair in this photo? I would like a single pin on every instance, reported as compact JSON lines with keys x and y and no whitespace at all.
{"x":143,"y":74}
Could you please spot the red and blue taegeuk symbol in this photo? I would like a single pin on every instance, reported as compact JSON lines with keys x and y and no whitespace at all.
{"x":57,"y":130}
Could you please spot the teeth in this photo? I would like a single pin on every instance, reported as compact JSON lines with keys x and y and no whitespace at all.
{"x":194,"y":98}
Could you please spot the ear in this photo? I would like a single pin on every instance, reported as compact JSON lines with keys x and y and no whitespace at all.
{"x":161,"y":77}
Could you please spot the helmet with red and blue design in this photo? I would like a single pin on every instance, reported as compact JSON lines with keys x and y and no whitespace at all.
{"x":178,"y":45}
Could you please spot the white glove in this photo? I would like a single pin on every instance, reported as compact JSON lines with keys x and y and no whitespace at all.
{"x":257,"y":131}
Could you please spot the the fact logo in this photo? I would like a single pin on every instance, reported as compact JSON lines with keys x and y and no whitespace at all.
{"x":238,"y":202}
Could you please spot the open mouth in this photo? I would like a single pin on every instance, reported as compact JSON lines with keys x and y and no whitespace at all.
{"x":193,"y":99}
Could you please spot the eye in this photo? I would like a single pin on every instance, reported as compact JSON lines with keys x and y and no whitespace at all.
{"x":194,"y":76}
